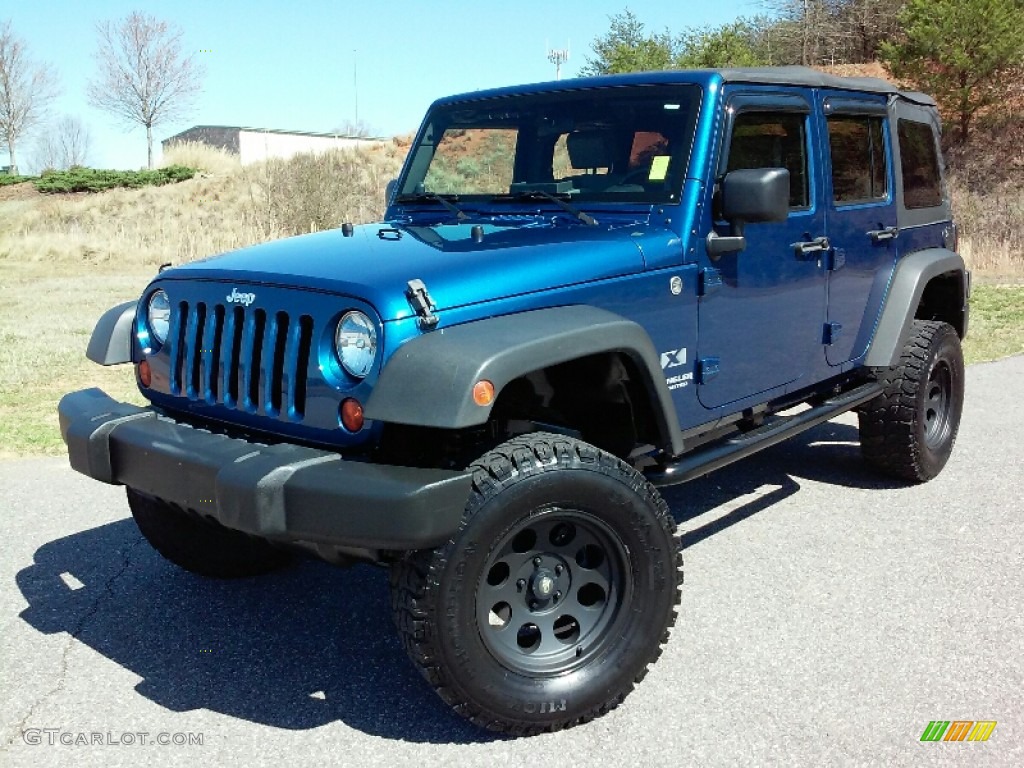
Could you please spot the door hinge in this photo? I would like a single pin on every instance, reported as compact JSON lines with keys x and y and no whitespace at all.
{"x":422,"y":304}
{"x":707,"y":369}
{"x":710,"y":281}
{"x":832,"y":331}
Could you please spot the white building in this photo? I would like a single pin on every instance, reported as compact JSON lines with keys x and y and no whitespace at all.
{"x":255,"y":144}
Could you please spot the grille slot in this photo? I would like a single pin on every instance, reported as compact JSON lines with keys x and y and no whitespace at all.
{"x":250,"y":360}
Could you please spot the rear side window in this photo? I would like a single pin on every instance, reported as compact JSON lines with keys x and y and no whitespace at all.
{"x":919,"y":161}
{"x":773,"y":140}
{"x":859,"y":169}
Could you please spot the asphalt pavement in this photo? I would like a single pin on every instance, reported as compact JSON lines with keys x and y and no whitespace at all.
{"x":828,"y":616}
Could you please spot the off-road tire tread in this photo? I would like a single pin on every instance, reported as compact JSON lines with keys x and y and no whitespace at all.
{"x":888,"y":422}
{"x":414,"y":576}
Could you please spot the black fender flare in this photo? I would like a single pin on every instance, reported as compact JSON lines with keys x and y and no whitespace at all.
{"x":911,"y":276}
{"x":429,"y":380}
{"x":111,"y":340}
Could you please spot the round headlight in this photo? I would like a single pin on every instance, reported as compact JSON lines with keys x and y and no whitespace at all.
{"x":356,"y":342}
{"x":158,"y":316}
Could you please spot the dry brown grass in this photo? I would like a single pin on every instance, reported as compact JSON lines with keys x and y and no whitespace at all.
{"x":66,"y":259}
{"x":986,"y":179}
{"x":202,"y":157}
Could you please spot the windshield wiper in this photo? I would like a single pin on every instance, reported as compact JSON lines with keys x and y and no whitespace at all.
{"x":430,"y":197}
{"x":538,"y":194}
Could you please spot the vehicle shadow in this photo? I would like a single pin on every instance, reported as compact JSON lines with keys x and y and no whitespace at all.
{"x":828,"y":453}
{"x":314,"y":644}
{"x":297,"y":649}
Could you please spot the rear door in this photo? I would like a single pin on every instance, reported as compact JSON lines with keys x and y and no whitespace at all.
{"x":861,"y":219}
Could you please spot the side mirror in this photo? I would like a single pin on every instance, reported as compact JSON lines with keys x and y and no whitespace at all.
{"x":389,"y":192}
{"x":750,"y":196}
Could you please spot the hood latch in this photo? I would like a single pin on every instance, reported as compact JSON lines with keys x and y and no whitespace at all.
{"x":422,"y":304}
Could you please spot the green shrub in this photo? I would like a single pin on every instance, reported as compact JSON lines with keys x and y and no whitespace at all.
{"x":80,"y":179}
{"x":7,"y":180}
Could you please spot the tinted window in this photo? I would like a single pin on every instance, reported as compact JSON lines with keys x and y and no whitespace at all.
{"x":773,"y":140}
{"x":858,"y":159}
{"x":919,"y":160}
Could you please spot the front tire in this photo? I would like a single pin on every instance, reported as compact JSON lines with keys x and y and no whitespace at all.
{"x":909,"y":430}
{"x":555,"y":595}
{"x":200,"y":546}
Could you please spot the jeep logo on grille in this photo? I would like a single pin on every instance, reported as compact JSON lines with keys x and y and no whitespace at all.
{"x":240,"y":298}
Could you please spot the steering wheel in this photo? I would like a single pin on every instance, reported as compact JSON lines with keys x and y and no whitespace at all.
{"x":639,"y":174}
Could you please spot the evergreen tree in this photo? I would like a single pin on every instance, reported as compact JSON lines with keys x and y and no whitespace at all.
{"x":965,"y":53}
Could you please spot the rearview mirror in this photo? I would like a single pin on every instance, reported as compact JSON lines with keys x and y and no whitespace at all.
{"x":750,"y":196}
{"x":389,"y":192}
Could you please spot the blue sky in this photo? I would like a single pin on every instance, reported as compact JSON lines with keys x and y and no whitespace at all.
{"x":291,"y":65}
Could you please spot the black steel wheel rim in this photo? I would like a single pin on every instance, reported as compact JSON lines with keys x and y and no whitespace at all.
{"x":937,"y":403}
{"x":551,"y":591}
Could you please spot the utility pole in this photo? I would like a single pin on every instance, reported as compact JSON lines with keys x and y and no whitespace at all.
{"x":558,"y":56}
{"x":355,"y":79}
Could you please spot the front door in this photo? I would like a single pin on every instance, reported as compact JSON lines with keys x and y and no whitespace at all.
{"x":762,"y":309}
{"x":861,"y":212}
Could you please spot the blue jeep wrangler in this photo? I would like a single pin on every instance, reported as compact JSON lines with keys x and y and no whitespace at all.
{"x":581,"y":291}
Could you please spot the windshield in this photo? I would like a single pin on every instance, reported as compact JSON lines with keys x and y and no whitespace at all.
{"x":622,"y":143}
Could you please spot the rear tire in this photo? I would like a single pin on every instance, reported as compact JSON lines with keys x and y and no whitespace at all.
{"x":554,"y":596}
{"x":200,"y":546}
{"x":909,"y":430}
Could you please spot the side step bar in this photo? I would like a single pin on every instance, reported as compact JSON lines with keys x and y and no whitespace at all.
{"x":774,"y":430}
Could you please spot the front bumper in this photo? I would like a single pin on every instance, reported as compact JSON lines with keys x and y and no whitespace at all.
{"x":281,"y":492}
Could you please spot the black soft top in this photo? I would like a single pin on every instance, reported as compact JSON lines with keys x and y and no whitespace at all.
{"x":813,"y":78}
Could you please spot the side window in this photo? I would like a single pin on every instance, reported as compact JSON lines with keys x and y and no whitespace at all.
{"x":919,"y":161}
{"x":859,"y":169}
{"x":773,"y":140}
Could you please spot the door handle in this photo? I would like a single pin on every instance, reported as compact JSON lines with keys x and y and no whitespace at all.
{"x":809,"y":247}
{"x":882,"y":235}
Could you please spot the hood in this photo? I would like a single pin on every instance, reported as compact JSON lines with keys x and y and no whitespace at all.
{"x":516,"y":256}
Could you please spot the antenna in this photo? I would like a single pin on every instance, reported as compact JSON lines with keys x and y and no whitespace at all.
{"x":558,"y":56}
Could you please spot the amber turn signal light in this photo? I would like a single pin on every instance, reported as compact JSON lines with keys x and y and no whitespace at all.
{"x":483,"y":392}
{"x":351,"y":414}
{"x":145,"y":374}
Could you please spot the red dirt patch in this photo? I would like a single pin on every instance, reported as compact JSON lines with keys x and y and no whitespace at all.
{"x":22,"y":191}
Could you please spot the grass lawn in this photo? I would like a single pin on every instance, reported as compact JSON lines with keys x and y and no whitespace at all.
{"x":996,"y":326}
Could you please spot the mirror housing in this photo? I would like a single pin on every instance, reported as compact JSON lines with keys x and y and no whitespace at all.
{"x":389,"y":192}
{"x":750,"y":196}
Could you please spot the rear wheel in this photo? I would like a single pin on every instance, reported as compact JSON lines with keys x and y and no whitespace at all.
{"x":200,"y":546}
{"x":909,"y":430}
{"x":554,"y":596}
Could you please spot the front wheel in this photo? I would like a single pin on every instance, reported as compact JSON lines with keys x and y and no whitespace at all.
{"x":555,"y":595}
{"x":908,"y":431}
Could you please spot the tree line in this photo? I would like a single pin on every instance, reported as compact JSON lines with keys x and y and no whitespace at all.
{"x":142,"y":78}
{"x":968,"y":54}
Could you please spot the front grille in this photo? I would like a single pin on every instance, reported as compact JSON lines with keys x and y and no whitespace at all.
{"x":251,"y":360}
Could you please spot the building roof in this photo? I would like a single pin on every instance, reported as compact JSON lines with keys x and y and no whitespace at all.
{"x":249,"y":129}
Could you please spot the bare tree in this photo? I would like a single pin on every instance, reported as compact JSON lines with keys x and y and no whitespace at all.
{"x":807,"y":31}
{"x":65,"y":144}
{"x":26,"y":90}
{"x":349,"y":127}
{"x":144,"y":78}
